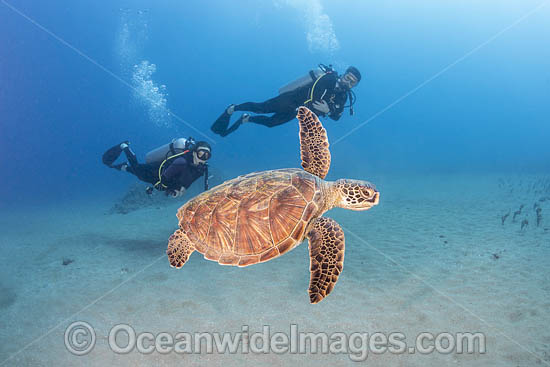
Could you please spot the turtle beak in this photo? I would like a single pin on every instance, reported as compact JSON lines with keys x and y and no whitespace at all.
{"x":376,"y":198}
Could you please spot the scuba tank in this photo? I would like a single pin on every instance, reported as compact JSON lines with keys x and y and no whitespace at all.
{"x":174,"y":147}
{"x":301,"y":82}
{"x":307,"y":79}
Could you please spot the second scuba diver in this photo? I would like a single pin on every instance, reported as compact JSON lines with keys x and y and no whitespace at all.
{"x":171,"y":168}
{"x":322,"y":91}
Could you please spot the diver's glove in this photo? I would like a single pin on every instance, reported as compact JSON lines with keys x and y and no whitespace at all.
{"x":321,"y":106}
{"x":178,"y":193}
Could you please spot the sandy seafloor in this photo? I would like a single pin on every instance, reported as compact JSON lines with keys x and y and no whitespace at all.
{"x":432,"y":257}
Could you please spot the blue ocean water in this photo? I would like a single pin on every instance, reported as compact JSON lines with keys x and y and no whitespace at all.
{"x":60,"y":109}
{"x":448,"y":88}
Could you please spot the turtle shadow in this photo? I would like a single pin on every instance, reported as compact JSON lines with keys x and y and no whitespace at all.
{"x":7,"y":297}
{"x":147,"y":246}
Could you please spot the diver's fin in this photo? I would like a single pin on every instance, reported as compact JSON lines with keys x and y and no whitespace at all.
{"x":120,"y":166}
{"x":326,"y":252}
{"x":313,"y":143}
{"x":111,"y":155}
{"x":220,"y":125}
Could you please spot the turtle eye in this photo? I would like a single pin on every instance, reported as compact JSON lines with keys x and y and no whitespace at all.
{"x":370,"y":193}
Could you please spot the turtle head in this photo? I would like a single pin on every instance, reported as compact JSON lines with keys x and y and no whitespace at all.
{"x":354,"y":194}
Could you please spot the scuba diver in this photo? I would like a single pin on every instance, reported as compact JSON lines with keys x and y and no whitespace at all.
{"x":321,"y":90}
{"x":171,"y":168}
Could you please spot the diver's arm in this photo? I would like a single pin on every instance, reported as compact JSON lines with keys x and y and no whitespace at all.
{"x":322,"y":91}
{"x":324,"y":87}
{"x":336,"y":111}
{"x":186,"y":175}
{"x":178,"y":193}
{"x":171,"y":175}
{"x":195,"y":172}
{"x":174,"y":169}
{"x":337,"y":107}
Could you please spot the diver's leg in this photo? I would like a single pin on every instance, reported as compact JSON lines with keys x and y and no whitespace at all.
{"x":274,"y":120}
{"x":147,"y":173}
{"x":273,"y":105}
{"x":253,"y":107}
{"x":144,"y":172}
{"x":269,"y":121}
{"x":131,"y":156}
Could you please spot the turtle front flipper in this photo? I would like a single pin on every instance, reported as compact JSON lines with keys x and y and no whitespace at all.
{"x":313,"y":143}
{"x":326,"y":252}
{"x":179,"y":249}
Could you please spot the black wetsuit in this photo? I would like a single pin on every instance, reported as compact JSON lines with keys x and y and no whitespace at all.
{"x":180,"y":172}
{"x":284,"y":105}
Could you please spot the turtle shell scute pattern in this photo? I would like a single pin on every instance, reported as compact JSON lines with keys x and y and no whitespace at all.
{"x":252,"y":218}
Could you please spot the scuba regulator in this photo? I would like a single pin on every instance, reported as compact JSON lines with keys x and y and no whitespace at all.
{"x":351,"y":96}
{"x":190,"y":145}
{"x":326,"y":69}
{"x":206,"y":177}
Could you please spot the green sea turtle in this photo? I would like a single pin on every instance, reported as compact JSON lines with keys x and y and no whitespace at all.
{"x":259,"y":216}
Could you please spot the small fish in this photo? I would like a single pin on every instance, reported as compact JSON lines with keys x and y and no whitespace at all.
{"x":524,"y":223}
{"x":504,"y":217}
{"x":516,"y":213}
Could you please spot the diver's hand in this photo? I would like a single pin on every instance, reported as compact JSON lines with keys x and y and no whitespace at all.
{"x":321,"y":106}
{"x":178,"y":193}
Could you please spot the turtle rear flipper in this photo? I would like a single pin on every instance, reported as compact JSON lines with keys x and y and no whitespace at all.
{"x":326,"y":252}
{"x":179,"y":249}
{"x":313,"y":143}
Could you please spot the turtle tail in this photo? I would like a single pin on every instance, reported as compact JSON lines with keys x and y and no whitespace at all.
{"x":179,"y":249}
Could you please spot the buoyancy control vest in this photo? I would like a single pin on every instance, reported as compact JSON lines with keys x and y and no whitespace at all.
{"x":166,"y":153}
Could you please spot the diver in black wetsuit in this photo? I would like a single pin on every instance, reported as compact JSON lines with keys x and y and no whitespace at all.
{"x":173,"y":175}
{"x":325,"y":94}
